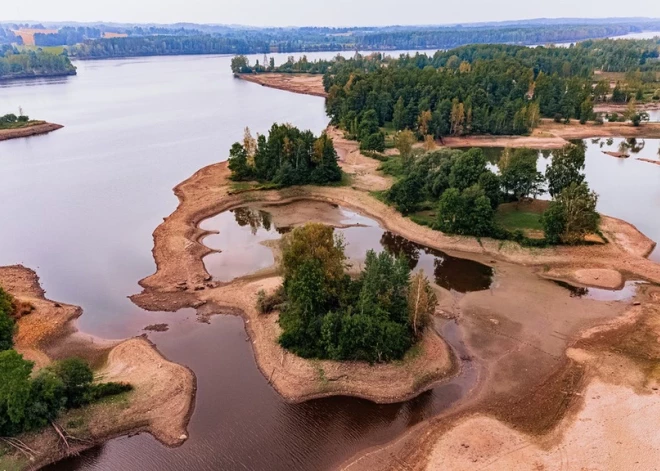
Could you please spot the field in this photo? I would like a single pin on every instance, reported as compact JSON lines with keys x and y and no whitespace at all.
{"x":524,"y":216}
{"x":27,"y":34}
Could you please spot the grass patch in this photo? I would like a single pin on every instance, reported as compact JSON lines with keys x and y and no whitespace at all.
{"x":50,"y":49}
{"x":424,"y":218}
{"x":522,"y":216}
{"x":21,"y":124}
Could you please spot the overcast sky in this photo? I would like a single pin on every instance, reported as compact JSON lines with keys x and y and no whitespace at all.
{"x":316,"y":12}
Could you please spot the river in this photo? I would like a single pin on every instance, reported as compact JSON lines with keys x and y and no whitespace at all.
{"x":80,"y":205}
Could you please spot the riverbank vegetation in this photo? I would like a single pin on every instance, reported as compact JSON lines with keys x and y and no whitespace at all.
{"x":327,"y":314}
{"x":467,"y":197}
{"x":32,"y":63}
{"x":32,"y":400}
{"x":11,"y":121}
{"x":480,"y":89}
{"x":287,"y":156}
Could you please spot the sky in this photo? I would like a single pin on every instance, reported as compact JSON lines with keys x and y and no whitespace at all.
{"x":317,"y":12}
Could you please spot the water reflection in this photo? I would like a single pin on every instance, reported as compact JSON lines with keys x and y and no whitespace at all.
{"x":628,"y":291}
{"x":243,"y":231}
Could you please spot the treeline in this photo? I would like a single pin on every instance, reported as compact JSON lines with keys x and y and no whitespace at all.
{"x":30,"y":401}
{"x":28,"y":64}
{"x":450,"y":38}
{"x":466,"y":193}
{"x":184,"y":45}
{"x":8,"y":37}
{"x":288,"y":156}
{"x":67,"y":36}
{"x":205,"y":39}
{"x":325,"y":313}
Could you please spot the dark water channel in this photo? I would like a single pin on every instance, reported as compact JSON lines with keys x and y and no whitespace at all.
{"x":242,"y":231}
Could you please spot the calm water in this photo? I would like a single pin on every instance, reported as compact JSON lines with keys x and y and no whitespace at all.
{"x":242,"y":232}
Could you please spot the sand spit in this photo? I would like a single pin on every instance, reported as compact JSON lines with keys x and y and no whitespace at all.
{"x":305,"y":84}
{"x":33,"y":130}
{"x":160,"y":404}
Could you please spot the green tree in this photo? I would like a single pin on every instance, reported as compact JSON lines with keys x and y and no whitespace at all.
{"x":467,"y":168}
{"x":572,"y":215}
{"x":403,"y":142}
{"x":567,"y":167}
{"x":519,"y":175}
{"x":14,"y":391}
{"x":375,"y":141}
{"x":76,"y":376}
{"x":406,"y":193}
{"x":7,"y":324}
{"x":465,"y":213}
{"x":240,"y":65}
{"x":399,"y":119}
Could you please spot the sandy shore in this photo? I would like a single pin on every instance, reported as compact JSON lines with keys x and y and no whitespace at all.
{"x":32,"y":130}
{"x":161,"y":402}
{"x":623,"y":107}
{"x":305,"y":84}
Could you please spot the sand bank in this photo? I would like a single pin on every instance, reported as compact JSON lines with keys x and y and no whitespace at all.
{"x":161,"y":402}
{"x":305,"y":84}
{"x":27,"y":131}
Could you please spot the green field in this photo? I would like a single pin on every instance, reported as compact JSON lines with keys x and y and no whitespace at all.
{"x":521,"y":216}
{"x":49,"y":49}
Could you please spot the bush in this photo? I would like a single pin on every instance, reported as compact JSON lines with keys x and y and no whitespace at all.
{"x":613,"y":118}
{"x":99,"y":391}
{"x":269,"y":303}
{"x":373,"y":142}
{"x":7,"y":324}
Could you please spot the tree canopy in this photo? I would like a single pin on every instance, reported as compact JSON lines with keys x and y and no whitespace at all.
{"x":374,"y":317}
{"x":286,"y":157}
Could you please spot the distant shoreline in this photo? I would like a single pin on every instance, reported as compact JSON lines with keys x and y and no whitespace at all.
{"x":27,"y":131}
{"x":37,"y":76}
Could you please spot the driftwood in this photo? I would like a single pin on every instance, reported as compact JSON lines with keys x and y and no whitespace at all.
{"x":16,"y":444}
{"x":65,"y":437}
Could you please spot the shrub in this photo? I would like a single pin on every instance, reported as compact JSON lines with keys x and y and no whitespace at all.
{"x":7,"y":324}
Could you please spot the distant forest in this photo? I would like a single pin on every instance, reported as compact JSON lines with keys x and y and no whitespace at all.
{"x":87,"y":41}
{"x":29,"y":64}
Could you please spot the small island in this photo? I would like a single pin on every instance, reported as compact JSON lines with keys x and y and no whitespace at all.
{"x":14,"y":127}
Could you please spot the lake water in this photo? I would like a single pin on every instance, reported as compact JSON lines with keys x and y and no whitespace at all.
{"x":80,"y":205}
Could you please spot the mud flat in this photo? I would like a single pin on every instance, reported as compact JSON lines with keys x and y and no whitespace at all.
{"x":305,"y":84}
{"x":27,"y":131}
{"x":161,"y":402}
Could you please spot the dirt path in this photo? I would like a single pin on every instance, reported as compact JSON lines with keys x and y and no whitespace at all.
{"x":32,"y":130}
{"x":161,"y":402}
